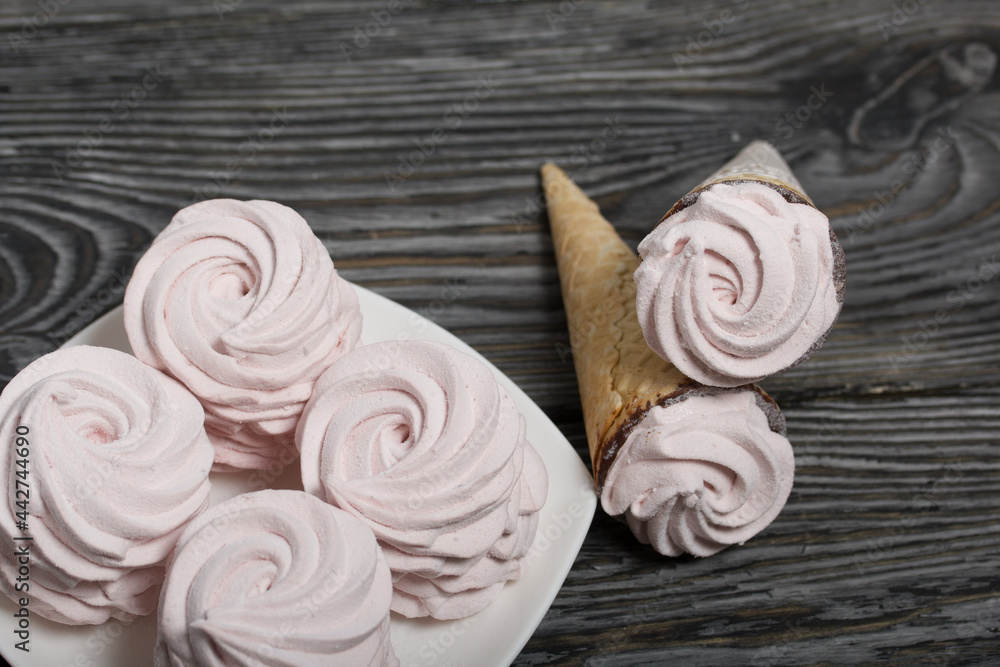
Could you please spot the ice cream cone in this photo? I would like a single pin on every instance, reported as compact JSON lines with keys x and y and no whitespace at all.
{"x":758,"y":162}
{"x":776,"y":269}
{"x":620,"y":377}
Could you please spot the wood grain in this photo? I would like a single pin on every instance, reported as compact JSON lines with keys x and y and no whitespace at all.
{"x":889,"y":546}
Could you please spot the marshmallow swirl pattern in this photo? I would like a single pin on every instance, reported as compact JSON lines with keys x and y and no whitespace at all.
{"x":241,"y":303}
{"x":117,"y":463}
{"x":737,"y":286}
{"x":700,"y":475}
{"x":419,"y":441}
{"x":276,"y":579}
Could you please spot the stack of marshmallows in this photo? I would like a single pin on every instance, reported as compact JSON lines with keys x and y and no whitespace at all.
{"x":421,"y":490}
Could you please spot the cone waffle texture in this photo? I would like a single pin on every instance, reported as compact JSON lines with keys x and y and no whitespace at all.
{"x":619,"y":376}
{"x":758,"y":162}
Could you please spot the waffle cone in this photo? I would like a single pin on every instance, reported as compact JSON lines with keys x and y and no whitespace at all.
{"x":619,"y":376}
{"x":758,"y":162}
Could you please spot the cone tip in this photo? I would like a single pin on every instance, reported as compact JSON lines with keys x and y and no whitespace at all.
{"x":761,"y":146}
{"x":558,"y":185}
{"x":552,"y":171}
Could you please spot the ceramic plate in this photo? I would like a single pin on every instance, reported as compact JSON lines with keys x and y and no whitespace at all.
{"x":494,"y":636}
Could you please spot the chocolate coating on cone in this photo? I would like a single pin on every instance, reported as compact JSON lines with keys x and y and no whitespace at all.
{"x":761,"y":162}
{"x":619,"y":376}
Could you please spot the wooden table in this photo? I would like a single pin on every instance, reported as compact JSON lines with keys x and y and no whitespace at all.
{"x":410,"y":134}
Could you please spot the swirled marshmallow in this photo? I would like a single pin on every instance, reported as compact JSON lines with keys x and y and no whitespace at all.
{"x":241,"y":303}
{"x":105,"y":461}
{"x":419,"y":441}
{"x":700,"y":475}
{"x":275,"y":578}
{"x":737,"y":286}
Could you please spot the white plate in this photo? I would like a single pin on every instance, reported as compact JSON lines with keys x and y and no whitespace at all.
{"x":494,"y":636}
